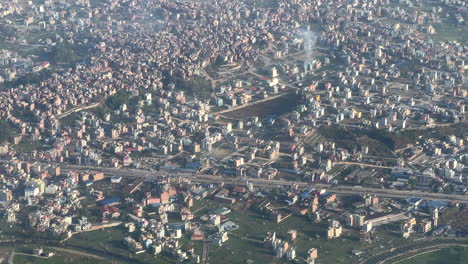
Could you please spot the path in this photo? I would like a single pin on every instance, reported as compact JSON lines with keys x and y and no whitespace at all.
{"x":11,"y":257}
{"x":29,"y":255}
{"x":422,"y":253}
{"x":78,"y":109}
{"x":205,"y":252}
{"x":94,"y":228}
{"x":79,"y":253}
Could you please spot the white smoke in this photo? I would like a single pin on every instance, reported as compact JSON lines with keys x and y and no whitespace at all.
{"x":309,"y":39}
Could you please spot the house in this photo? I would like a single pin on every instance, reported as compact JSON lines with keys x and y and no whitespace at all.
{"x":116,"y":179}
{"x":110,"y":211}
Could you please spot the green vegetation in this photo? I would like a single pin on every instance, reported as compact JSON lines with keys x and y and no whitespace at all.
{"x":218,"y":108}
{"x":7,"y":31}
{"x":70,"y":120}
{"x":114,"y":102}
{"x":378,"y":144}
{"x":57,"y":259}
{"x":341,"y":136}
{"x":246,"y":243}
{"x":63,"y":54}
{"x":456,"y":217}
{"x":382,"y":142}
{"x":25,"y":115}
{"x":31,"y":78}
{"x":109,"y":244}
{"x":99,"y":111}
{"x":243,"y":244}
{"x":196,"y":86}
{"x":411,"y":136}
{"x":266,"y":3}
{"x":6,"y":131}
{"x":29,"y":145}
{"x":449,"y":30}
{"x":118,"y":99}
{"x":21,"y":232}
{"x":446,"y":255}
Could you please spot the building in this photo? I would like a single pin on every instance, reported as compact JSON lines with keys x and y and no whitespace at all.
{"x":334,"y":229}
{"x":292,"y":235}
{"x":5,"y":196}
{"x":311,"y":256}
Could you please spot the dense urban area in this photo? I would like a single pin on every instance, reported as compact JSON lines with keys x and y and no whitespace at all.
{"x":233,"y":131}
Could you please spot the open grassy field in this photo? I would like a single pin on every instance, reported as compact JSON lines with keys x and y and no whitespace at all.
{"x":451,"y":255}
{"x":449,"y":30}
{"x":109,"y":244}
{"x":246,"y":243}
{"x":57,"y":259}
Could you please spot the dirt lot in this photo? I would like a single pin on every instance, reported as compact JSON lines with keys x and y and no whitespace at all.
{"x":220,"y":153}
{"x":4,"y":254}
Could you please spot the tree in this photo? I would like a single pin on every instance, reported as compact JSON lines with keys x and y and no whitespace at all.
{"x":63,"y":54}
{"x":116,"y":100}
{"x":6,"y":131}
{"x":7,"y":31}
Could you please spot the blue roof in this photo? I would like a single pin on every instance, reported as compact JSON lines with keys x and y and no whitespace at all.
{"x":306,"y":193}
{"x":435,"y":204}
{"x":176,"y":226}
{"x":110,"y":201}
{"x":88,"y":182}
{"x":413,"y":200}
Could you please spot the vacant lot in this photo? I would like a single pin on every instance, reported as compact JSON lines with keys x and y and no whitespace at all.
{"x":279,"y":105}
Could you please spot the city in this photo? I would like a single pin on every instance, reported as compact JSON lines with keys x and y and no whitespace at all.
{"x":246,"y":131}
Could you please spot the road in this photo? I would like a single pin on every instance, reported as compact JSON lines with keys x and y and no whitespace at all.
{"x":78,"y":109}
{"x":269,"y":184}
{"x":362,"y":164}
{"x":413,"y":253}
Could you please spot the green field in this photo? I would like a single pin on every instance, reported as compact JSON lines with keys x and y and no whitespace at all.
{"x":57,"y":259}
{"x":452,"y":255}
{"x":109,"y":244}
{"x":449,"y":30}
{"x":246,"y":243}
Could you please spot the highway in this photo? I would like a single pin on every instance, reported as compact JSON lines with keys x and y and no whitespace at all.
{"x":268,"y":184}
